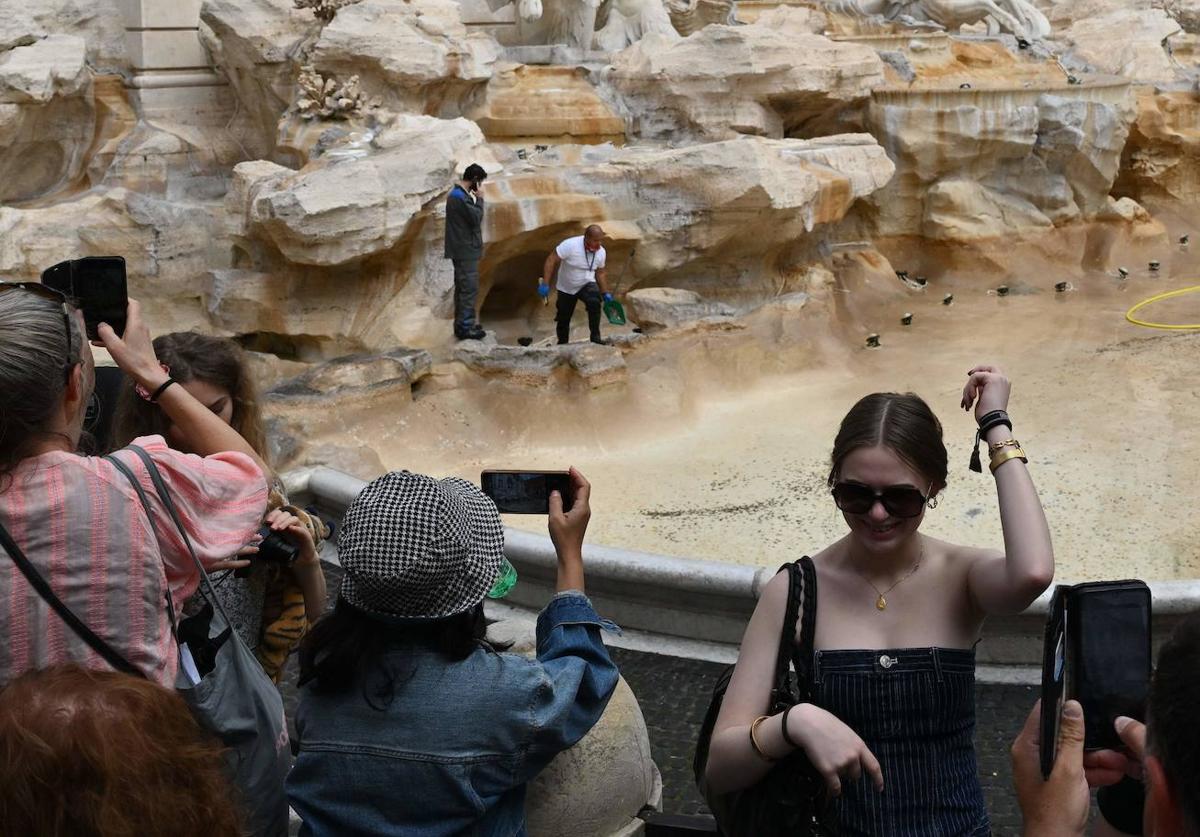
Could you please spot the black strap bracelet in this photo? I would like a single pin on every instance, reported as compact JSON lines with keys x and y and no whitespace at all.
{"x":986,"y":422}
{"x":787,"y":736}
{"x":154,"y":396}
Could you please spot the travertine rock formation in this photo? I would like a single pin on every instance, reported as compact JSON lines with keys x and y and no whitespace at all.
{"x":1161,"y":160}
{"x":257,"y":45}
{"x":327,"y":98}
{"x":543,"y":104}
{"x":991,"y":159}
{"x":668,"y":307}
{"x":47,"y":115}
{"x":775,"y":79}
{"x":415,"y":56}
{"x":335,"y":213}
{"x":1124,"y":41}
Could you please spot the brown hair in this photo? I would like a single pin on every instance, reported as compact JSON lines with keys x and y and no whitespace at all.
{"x":34,"y":352}
{"x":903,"y":424}
{"x":195,"y":357}
{"x":106,"y":754}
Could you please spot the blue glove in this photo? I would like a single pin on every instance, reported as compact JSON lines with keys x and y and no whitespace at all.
{"x":543,"y":291}
{"x":608,"y":297}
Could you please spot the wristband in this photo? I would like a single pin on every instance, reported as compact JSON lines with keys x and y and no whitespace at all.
{"x":1003,"y":456}
{"x":787,"y":736}
{"x":986,"y":422}
{"x":754,"y":741}
{"x":153,"y":398}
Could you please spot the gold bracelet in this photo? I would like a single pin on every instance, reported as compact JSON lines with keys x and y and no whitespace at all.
{"x":1007,"y":443}
{"x":754,"y":741}
{"x":1000,"y":458}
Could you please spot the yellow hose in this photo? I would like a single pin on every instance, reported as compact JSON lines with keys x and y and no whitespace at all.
{"x":1169,"y":294}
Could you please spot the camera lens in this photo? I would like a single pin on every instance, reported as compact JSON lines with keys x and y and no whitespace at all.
{"x":275,"y":547}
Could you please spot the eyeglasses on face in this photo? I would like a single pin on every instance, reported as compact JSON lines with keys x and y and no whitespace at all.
{"x":898,"y":500}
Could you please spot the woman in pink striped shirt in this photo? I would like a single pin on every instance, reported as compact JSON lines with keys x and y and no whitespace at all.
{"x":79,"y":521}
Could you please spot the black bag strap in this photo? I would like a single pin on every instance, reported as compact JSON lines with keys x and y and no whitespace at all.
{"x":808,"y":628}
{"x":109,"y":654}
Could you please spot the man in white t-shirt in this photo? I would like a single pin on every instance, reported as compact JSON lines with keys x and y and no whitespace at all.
{"x":580,"y":264}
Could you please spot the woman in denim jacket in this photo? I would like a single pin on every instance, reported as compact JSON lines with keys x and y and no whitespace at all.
{"x":409,"y":722}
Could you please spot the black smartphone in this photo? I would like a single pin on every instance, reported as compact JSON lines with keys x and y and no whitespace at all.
{"x":97,"y":285}
{"x":527,"y":492}
{"x":1098,"y":652}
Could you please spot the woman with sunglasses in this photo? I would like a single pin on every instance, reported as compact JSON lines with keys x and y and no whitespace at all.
{"x":77,"y":520}
{"x":891,"y":725}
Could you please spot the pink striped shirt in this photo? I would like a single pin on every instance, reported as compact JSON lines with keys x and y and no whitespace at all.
{"x":80,"y":522}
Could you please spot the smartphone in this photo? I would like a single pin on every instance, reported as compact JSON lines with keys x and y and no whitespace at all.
{"x":95,"y":284}
{"x":527,"y":492}
{"x":1097,"y":652}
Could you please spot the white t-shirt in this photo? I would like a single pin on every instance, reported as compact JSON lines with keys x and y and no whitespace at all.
{"x":578,"y":265}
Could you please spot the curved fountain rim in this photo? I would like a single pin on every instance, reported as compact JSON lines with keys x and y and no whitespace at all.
{"x":670,"y":576}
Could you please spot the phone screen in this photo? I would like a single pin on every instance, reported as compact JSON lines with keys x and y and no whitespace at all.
{"x":97,"y":285}
{"x":1110,"y":669}
{"x":526,"y":492}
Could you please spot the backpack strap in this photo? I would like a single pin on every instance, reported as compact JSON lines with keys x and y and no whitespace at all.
{"x":109,"y":654}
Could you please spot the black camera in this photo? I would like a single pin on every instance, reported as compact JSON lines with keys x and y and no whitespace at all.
{"x":276,"y":548}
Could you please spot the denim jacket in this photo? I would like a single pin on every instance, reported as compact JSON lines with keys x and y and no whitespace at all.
{"x":452,"y":752}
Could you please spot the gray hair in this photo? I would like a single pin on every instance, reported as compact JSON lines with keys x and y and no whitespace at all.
{"x":34,"y":355}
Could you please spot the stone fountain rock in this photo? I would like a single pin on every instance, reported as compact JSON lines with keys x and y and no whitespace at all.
{"x":777,"y":79}
{"x":47,"y":114}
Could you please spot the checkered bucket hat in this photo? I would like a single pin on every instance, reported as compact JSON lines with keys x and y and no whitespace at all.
{"x":414,"y":547}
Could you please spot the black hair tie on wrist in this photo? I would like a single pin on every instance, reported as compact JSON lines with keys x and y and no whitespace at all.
{"x":787,"y":736}
{"x":986,"y":422}
{"x":153,"y":399}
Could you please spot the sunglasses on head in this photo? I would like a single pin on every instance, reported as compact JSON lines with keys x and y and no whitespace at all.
{"x":898,"y":500}
{"x":38,"y":289}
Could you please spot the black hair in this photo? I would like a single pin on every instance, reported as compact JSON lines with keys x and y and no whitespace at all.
{"x":474,"y":172}
{"x":346,"y":647}
{"x":903,"y":424}
{"x":1174,"y":727}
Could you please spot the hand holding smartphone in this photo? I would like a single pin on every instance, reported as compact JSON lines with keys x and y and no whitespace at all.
{"x":527,"y":492}
{"x":1096,"y":651}
{"x":97,"y":286}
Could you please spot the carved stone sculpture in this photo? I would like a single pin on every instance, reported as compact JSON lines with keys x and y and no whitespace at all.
{"x":1018,"y":17}
{"x":323,"y":9}
{"x":609,"y":25}
{"x":326,"y":98}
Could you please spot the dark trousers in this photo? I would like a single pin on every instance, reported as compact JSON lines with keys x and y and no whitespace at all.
{"x":590,"y":294}
{"x":466,"y":287}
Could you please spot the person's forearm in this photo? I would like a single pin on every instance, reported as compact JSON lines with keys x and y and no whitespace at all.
{"x":204,"y":432}
{"x":312,"y":582}
{"x":732,"y":762}
{"x":548,"y":269}
{"x":602,"y":280}
{"x":570,"y":571}
{"x":1027,"y":546}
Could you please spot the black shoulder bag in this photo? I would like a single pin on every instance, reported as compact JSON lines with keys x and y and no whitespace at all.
{"x":790,"y":801}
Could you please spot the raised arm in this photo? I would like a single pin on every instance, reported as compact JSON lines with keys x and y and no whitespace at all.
{"x":834,"y":749}
{"x":206,"y":434}
{"x":1010,"y":582}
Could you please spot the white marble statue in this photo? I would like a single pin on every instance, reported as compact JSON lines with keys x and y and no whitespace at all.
{"x":575,"y":22}
{"x":1018,"y":17}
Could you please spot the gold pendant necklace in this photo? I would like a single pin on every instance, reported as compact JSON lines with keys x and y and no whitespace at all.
{"x":881,"y":602}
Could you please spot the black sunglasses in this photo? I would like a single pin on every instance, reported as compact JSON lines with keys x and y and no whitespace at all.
{"x":898,"y":500}
{"x":38,"y":289}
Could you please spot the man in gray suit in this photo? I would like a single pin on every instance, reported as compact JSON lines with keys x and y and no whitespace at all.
{"x":464,"y":246}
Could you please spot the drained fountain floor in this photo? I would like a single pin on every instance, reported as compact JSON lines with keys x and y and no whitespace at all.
{"x":1107,"y":412}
